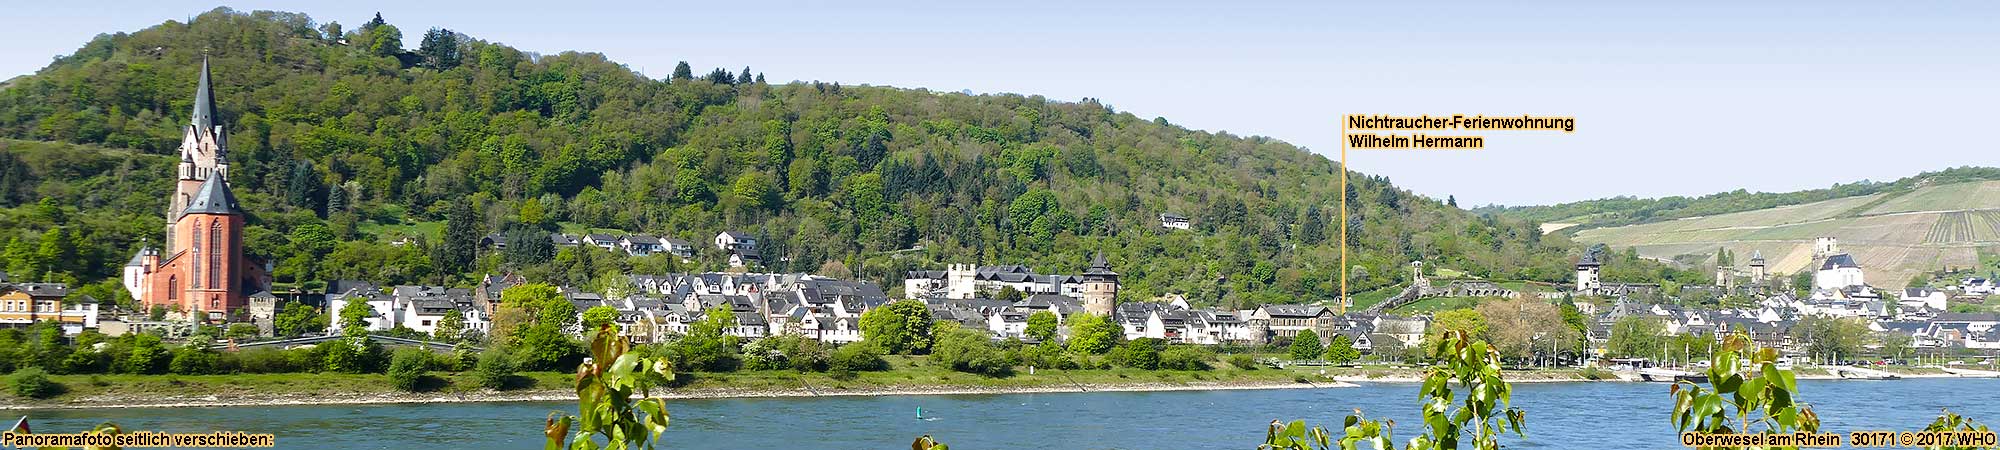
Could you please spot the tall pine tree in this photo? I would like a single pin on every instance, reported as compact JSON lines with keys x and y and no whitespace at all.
{"x":461,"y":238}
{"x":683,"y":72}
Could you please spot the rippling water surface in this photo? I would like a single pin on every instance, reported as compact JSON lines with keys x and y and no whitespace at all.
{"x":1560,"y":415}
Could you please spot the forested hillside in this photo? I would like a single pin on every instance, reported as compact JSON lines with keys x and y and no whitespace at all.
{"x":341,"y":141}
{"x":1617,"y":211}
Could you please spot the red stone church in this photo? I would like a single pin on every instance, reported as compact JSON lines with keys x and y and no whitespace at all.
{"x":201,"y":274}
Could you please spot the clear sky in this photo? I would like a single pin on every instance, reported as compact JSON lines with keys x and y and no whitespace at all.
{"x":1680,"y":98}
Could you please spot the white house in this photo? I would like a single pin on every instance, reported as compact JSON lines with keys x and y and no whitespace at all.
{"x":1008,"y":323}
{"x":603,"y":241}
{"x":1925,"y":297}
{"x":641,"y":245}
{"x":732,"y":240}
{"x":683,"y":249}
{"x":1174,"y":221}
{"x":381,"y":317}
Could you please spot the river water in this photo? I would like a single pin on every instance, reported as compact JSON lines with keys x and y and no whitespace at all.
{"x":1560,"y":415}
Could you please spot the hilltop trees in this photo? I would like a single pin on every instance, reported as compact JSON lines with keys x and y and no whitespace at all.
{"x":364,"y":140}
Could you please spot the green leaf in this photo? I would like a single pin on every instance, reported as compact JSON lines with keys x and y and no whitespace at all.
{"x":1729,"y":384}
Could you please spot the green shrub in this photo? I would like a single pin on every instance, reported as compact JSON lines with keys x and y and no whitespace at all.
{"x":495,"y":370}
{"x":1185,"y":358}
{"x":857,"y":357}
{"x":33,"y":382}
{"x":193,"y":359}
{"x":407,"y":369}
{"x":260,"y":360}
{"x":1242,"y":361}
{"x":242,"y":331}
{"x":969,"y":351}
{"x":1137,"y":354}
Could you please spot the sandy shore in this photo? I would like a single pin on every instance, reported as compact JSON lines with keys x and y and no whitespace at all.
{"x":102,"y":402}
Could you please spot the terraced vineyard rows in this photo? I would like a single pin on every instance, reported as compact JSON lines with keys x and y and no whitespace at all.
{"x":1951,"y":227}
{"x":1986,"y":225}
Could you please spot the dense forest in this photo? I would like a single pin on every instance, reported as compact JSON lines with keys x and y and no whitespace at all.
{"x":342,"y":141}
{"x":1626,"y":210}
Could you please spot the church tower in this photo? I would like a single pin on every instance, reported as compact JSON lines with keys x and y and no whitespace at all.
{"x":1757,"y":270}
{"x":1100,"y":287}
{"x":200,"y":273}
{"x":204,"y":151}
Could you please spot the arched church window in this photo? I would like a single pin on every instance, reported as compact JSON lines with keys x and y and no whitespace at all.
{"x":214,"y":254}
{"x":194,"y":256}
{"x":173,"y":287}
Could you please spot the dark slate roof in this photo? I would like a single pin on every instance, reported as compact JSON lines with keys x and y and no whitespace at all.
{"x":139,"y":259}
{"x":214,"y":197}
{"x":44,"y":290}
{"x":1293,"y":310}
{"x":1756,"y":258}
{"x":1966,"y":317}
{"x":1842,"y":260}
{"x":1099,"y":267}
{"x":204,"y":101}
{"x":738,"y":236}
{"x":641,"y":239}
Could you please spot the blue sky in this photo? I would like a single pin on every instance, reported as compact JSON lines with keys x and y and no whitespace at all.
{"x":1684,"y":98}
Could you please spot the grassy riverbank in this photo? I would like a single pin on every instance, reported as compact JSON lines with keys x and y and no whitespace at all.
{"x":908,"y":375}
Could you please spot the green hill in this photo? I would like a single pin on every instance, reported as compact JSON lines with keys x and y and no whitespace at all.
{"x":1895,"y":234}
{"x":342,"y":141}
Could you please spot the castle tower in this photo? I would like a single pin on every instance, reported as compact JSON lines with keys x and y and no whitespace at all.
{"x":1824,"y":247}
{"x":204,"y":150}
{"x":1757,"y":271}
{"x":1100,"y":287}
{"x":1586,"y":274}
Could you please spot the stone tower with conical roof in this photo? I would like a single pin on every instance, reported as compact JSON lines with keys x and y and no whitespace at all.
{"x":1100,"y":287}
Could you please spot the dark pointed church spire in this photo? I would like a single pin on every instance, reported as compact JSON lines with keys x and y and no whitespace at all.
{"x":204,"y":100}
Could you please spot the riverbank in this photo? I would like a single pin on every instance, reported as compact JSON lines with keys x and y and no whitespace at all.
{"x":138,"y":391}
{"x":151,"y":391}
{"x":553,"y":395}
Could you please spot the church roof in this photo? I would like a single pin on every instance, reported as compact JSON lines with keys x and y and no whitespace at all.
{"x":204,"y":101}
{"x":213,"y":198}
{"x":1842,"y":260}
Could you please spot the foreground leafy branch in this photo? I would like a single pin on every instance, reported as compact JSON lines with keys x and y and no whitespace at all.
{"x":1764,"y":401}
{"x":605,"y":407}
{"x":1487,"y":408}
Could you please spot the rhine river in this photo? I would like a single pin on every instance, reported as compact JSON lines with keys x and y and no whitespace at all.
{"x":1605,"y":415}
